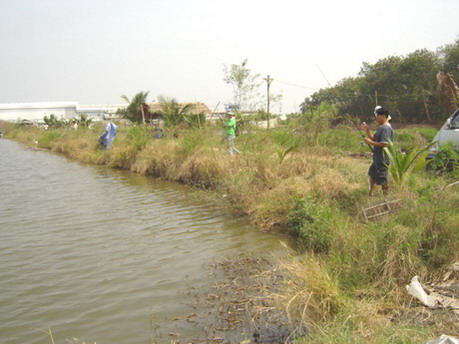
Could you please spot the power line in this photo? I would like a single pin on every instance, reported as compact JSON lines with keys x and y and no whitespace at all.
{"x":320,"y":70}
{"x":296,"y":85}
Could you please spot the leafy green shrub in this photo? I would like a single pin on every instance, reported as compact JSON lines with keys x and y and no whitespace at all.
{"x":316,"y":120}
{"x":310,"y":221}
{"x":256,"y":141}
{"x":47,"y":139}
{"x":138,"y":137}
{"x":446,"y":159}
{"x":426,"y":192}
{"x":191,"y":140}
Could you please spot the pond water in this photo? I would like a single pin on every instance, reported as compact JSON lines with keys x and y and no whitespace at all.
{"x":104,"y":255}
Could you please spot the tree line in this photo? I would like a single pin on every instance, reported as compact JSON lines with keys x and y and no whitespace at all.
{"x":406,"y":85}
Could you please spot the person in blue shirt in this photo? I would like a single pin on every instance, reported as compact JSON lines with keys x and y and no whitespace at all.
{"x":378,"y":171}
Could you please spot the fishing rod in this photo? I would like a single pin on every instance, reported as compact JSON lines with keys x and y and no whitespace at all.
{"x":361,"y":132}
{"x":215,"y":110}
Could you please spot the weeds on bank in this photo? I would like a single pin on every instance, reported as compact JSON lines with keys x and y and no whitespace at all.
{"x":311,"y":294}
{"x":370,"y":330}
{"x":311,"y":222}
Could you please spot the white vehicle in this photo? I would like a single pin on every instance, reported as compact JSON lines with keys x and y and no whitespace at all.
{"x":449,"y":132}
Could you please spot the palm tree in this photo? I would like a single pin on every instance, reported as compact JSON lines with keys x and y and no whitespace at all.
{"x":135,"y":107}
{"x":401,"y":163}
{"x":173,"y":113}
{"x":195,"y":120}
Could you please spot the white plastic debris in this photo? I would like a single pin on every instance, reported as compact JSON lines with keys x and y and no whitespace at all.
{"x":415,"y":289}
{"x":444,"y":340}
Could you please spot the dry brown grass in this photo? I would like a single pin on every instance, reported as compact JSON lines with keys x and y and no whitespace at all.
{"x":401,"y":262}
{"x":203,"y":169}
{"x":76,"y":147}
{"x":158,"y":159}
{"x":269,"y":210}
{"x":122,"y":156}
{"x":311,"y":294}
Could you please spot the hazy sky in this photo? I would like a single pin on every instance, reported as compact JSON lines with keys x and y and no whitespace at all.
{"x":93,"y":51}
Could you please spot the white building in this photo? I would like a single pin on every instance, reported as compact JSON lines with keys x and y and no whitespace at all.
{"x":63,"y":110}
{"x":36,"y":111}
{"x":99,"y":111}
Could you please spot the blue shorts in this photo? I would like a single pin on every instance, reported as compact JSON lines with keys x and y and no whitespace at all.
{"x":378,"y":173}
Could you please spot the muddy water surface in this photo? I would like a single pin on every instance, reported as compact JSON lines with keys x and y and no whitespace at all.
{"x":104,"y":255}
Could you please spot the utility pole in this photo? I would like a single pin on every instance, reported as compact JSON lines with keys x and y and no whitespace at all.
{"x":268,"y":83}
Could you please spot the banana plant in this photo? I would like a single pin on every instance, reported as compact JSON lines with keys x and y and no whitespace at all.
{"x":401,"y":163}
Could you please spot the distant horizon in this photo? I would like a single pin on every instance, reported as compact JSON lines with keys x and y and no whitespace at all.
{"x":96,"y":51}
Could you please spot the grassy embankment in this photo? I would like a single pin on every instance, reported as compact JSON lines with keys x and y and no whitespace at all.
{"x":350,"y":284}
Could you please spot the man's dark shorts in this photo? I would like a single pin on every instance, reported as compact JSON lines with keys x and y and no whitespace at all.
{"x":378,"y":173}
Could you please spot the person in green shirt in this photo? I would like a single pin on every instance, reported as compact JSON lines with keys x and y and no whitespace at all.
{"x":231,"y":132}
